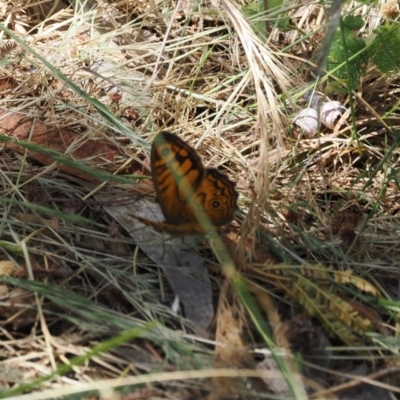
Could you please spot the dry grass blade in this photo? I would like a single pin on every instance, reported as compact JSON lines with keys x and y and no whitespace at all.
{"x":263,"y":64}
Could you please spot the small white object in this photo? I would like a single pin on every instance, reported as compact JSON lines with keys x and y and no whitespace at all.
{"x":307,"y":120}
{"x":330,"y":111}
{"x":327,"y":114}
{"x":175,"y":307}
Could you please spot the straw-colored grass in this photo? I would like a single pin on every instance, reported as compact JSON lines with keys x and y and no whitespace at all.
{"x":310,"y":267}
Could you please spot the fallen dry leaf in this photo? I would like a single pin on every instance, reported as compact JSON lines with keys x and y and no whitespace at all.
{"x":94,"y":152}
{"x":184,"y":268}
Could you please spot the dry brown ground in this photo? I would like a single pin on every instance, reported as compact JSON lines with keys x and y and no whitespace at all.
{"x":312,"y":256}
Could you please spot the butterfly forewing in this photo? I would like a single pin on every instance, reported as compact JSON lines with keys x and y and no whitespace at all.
{"x":176,"y":169}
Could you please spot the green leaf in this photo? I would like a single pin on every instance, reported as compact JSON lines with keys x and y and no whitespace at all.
{"x":349,"y":53}
{"x":353,"y":23}
{"x":252,"y":11}
{"x":282,"y":19}
{"x":257,"y":15}
{"x":385,"y":49}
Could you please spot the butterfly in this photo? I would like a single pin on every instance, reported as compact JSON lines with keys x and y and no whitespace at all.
{"x":193,"y":198}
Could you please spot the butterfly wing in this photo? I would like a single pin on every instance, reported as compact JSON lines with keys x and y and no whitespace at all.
{"x":217,"y":196}
{"x":177,"y":172}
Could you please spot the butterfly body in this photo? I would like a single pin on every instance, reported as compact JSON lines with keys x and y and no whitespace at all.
{"x":193,"y":198}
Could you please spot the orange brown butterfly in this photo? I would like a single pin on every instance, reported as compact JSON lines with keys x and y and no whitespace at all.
{"x":193,"y":198}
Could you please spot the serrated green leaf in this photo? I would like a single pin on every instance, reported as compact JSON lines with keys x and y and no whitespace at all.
{"x":385,"y":49}
{"x":350,"y":52}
